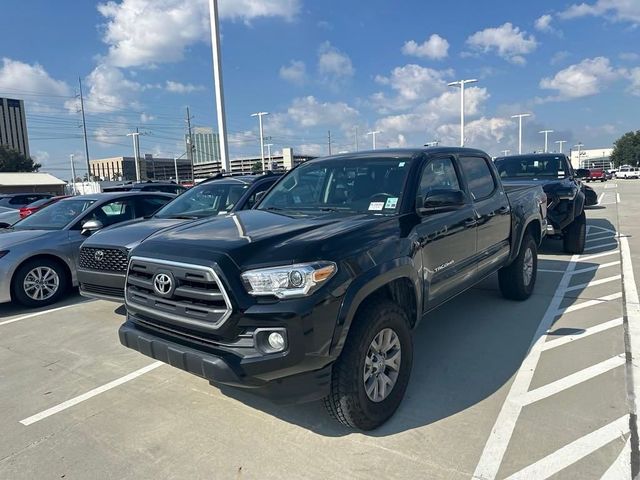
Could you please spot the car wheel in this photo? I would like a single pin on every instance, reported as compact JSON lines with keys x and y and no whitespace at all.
{"x":370,"y":377}
{"x":575,"y":235}
{"x":518,"y":279}
{"x":39,"y":282}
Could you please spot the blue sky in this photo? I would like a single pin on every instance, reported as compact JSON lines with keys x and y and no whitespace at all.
{"x":319,"y":66}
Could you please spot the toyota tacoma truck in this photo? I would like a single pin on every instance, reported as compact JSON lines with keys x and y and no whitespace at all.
{"x":314,"y":293}
{"x":566,"y":193}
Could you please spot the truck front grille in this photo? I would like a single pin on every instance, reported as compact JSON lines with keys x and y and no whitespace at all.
{"x":103,"y":259}
{"x":182,"y":294}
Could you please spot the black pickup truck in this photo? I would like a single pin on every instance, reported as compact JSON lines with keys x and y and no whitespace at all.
{"x":314,"y":293}
{"x":566,"y":193}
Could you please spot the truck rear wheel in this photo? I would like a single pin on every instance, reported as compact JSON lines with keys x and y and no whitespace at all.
{"x":518,"y":279}
{"x":371,"y":376}
{"x":575,"y":235}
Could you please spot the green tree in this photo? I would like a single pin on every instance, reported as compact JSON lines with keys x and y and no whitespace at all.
{"x":626,"y":150}
{"x":256,"y":167}
{"x":14,"y":161}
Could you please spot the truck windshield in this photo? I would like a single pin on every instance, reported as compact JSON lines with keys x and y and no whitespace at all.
{"x":532,"y":166}
{"x":55,"y":216}
{"x":349,"y":185}
{"x":205,"y":200}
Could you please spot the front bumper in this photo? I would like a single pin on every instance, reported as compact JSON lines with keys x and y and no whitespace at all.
{"x":225,"y":366}
{"x":102,"y":285}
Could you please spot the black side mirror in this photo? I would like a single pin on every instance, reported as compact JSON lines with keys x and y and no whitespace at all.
{"x":442,"y":201}
{"x":582,"y":173}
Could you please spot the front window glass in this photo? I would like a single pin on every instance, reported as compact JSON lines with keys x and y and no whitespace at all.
{"x":358,"y":185}
{"x":54,"y":217}
{"x":532,"y":166}
{"x":205,"y":200}
{"x":438,"y":174}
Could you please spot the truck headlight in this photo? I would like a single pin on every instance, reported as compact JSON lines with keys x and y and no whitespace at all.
{"x":289,"y":281}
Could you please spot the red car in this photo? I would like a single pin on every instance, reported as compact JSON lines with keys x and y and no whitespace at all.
{"x":35,"y":206}
{"x":596,"y":174}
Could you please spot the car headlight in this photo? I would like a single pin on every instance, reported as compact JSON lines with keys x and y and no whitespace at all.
{"x":289,"y":281}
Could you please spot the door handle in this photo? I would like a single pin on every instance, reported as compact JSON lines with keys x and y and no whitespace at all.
{"x":470,"y":222}
{"x":503,"y":210}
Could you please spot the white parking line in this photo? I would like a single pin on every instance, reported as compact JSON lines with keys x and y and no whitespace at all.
{"x":601,"y":197}
{"x":604,"y":245}
{"x":544,"y":270}
{"x":575,"y":451}
{"x":596,"y":267}
{"x":620,"y":469}
{"x":632,"y":324}
{"x":606,"y":236}
{"x":589,"y":303}
{"x":557,"y":342}
{"x":598,"y":255}
{"x":90,"y":394}
{"x":572,"y":380}
{"x":44,"y":312}
{"x":618,"y":197}
{"x":593,"y":283}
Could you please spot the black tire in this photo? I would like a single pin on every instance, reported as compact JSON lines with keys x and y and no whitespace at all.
{"x":348,"y":401}
{"x":514,"y":283}
{"x":575,"y":235}
{"x":19,"y":293}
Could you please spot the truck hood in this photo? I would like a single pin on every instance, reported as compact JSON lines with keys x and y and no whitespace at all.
{"x":252,"y":237}
{"x":549,"y":185}
{"x":130,"y":234}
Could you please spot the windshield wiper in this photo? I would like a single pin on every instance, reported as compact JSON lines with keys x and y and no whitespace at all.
{"x":329,"y":209}
{"x":182,"y":217}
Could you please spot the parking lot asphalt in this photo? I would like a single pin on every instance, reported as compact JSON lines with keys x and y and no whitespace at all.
{"x":499,"y":389}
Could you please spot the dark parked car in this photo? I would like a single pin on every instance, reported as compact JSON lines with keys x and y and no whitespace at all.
{"x":39,"y":254}
{"x":564,"y":189}
{"x":148,"y":186}
{"x":314,"y":293}
{"x":103,"y":257}
{"x":19,"y":200}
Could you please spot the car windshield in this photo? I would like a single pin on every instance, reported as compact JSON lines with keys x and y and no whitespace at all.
{"x":55,"y":216}
{"x":348,"y":185}
{"x":532,"y":166}
{"x":205,"y":200}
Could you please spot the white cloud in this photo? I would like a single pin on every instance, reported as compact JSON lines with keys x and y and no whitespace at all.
{"x":295,"y":72}
{"x":583,"y":79}
{"x":543,"y":24}
{"x":617,"y":10}
{"x":634,"y":77}
{"x":483,"y":133}
{"x":147,"y":32}
{"x":146,"y":118}
{"x":109,"y":91}
{"x":508,"y":41}
{"x":629,"y":56}
{"x":24,"y":77}
{"x":559,"y":57}
{"x":435,"y":47}
{"x":309,"y":112}
{"x":177,"y":87}
{"x":334,"y":66}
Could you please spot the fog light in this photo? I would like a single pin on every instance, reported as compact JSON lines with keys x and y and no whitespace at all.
{"x":276,"y":341}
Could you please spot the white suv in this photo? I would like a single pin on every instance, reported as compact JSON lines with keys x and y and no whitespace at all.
{"x":628,"y":172}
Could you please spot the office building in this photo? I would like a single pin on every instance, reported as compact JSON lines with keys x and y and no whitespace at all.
{"x":205,"y":152}
{"x":13,"y":125}
{"x":285,"y":161}
{"x":151,"y":168}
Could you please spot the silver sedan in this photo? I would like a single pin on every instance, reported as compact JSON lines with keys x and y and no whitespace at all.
{"x":39,"y":254}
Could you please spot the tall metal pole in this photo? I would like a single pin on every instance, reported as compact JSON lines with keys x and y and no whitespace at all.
{"x":374,"y":133}
{"x":520,"y":116}
{"x":73,"y":175}
{"x":579,"y":145}
{"x":217,"y":76}
{"x":260,"y":115}
{"x":191,"y":147}
{"x":329,"y":138}
{"x":136,"y":160}
{"x":84,"y":131}
{"x":268,"y":145}
{"x":546,"y":139}
{"x":461,"y":84}
{"x":175,"y":167}
{"x":561,"y":142}
{"x":356,"y":137}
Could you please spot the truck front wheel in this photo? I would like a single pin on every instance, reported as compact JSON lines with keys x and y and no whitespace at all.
{"x":371,"y":376}
{"x":518,"y":279}
{"x":575,"y":235}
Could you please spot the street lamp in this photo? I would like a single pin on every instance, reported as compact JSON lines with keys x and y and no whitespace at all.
{"x":505,"y":152}
{"x":461,"y":84}
{"x":546,"y":139}
{"x":374,"y":133}
{"x":520,"y":116}
{"x":260,"y":115}
{"x":579,"y":145}
{"x":560,"y":142}
{"x":268,"y":145}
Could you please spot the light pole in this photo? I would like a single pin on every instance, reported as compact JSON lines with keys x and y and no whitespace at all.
{"x":260,"y":115}
{"x":579,"y":145}
{"x":520,"y":116}
{"x":73,"y":175}
{"x":268,"y":145}
{"x":374,"y":133}
{"x":135,"y":136}
{"x":217,"y":76}
{"x":560,"y":142}
{"x":461,"y":84}
{"x":546,"y":139}
{"x":505,"y":152}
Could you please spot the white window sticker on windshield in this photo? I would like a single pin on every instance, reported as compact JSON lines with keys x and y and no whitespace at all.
{"x":560,"y":172}
{"x":401,"y":164}
{"x":391,"y":202}
{"x":376,"y":205}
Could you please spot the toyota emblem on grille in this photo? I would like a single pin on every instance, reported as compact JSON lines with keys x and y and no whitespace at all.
{"x":163,"y":284}
{"x":98,"y":256}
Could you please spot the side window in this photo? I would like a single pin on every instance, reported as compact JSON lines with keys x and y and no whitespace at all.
{"x":112,"y":212}
{"x":251,"y":201}
{"x":438,"y":174}
{"x":479,"y":177}
{"x":148,"y":206}
{"x":18,"y":200}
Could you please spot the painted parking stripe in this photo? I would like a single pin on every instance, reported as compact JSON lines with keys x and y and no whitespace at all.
{"x":557,"y":342}
{"x":598,"y":234}
{"x":589,"y":303}
{"x":606,"y":236}
{"x":596,"y":267}
{"x":90,"y":394}
{"x":545,"y":270}
{"x":621,"y":468}
{"x":593,"y":283}
{"x":575,"y":451}
{"x":572,"y":380}
{"x":600,"y":197}
{"x":44,"y":312}
{"x":598,"y":255}
{"x":604,"y":245}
